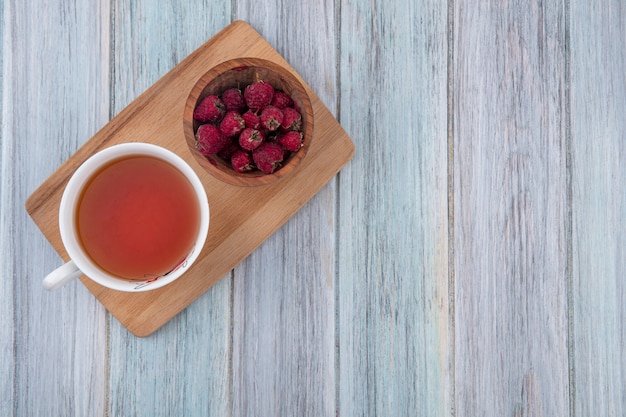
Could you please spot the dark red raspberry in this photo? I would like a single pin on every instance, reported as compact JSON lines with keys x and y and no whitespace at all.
{"x":271,"y":118}
{"x":252,"y":119}
{"x":232,"y":124}
{"x":210,"y":109}
{"x":210,"y":140}
{"x":292,"y":119}
{"x":291,"y":141}
{"x":250,"y":139}
{"x":268,"y":157}
{"x":281,"y":100}
{"x":241,"y":161}
{"x":233,"y":99}
{"x":258,"y":95}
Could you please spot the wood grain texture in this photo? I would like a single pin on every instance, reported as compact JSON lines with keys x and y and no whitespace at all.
{"x":348,"y":309}
{"x":394,"y":336}
{"x":183,"y":369}
{"x":55,"y":96}
{"x":7,"y":306}
{"x":284,"y":300}
{"x":598,"y":131}
{"x":510,"y":206}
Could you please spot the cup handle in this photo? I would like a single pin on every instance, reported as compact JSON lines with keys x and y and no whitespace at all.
{"x":61,"y":276}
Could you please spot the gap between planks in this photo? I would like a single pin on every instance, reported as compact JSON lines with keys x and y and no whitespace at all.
{"x":569,"y":245}
{"x":451,"y":276}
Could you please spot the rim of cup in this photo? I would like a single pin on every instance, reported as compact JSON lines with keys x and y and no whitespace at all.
{"x":73,"y":191}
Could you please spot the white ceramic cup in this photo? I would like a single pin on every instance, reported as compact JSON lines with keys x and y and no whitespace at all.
{"x":80,"y":263}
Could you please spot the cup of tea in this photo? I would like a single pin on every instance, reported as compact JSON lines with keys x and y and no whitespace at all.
{"x":133,"y":217}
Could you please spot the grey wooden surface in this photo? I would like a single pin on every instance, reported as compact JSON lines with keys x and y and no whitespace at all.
{"x":469,"y":261}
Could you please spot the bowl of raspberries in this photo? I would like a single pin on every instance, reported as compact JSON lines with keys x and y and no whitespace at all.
{"x":248,"y":121}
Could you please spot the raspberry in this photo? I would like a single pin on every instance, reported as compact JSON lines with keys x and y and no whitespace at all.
{"x":232,"y":124}
{"x":267,"y":157}
{"x":233,"y":99}
{"x":250,"y":139}
{"x":241,"y":161}
{"x":281,"y":100}
{"x":252,"y":119}
{"x":292,"y":119}
{"x":271,"y":118}
{"x":210,"y":109}
{"x":210,"y":140}
{"x":258,"y":95}
{"x":291,"y":141}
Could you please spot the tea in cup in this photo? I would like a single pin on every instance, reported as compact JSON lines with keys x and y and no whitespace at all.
{"x":133,"y":217}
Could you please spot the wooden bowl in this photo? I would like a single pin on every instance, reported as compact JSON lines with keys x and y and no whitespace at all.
{"x":239,"y":73}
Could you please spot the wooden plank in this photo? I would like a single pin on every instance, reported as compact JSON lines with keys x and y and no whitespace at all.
{"x":55,"y":96}
{"x":393,"y":312}
{"x":283,"y":301}
{"x":7,"y":306}
{"x":183,"y":368}
{"x":598,"y":149}
{"x":510,"y":205}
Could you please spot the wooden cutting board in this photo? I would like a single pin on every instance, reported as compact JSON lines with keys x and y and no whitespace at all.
{"x":241,"y":217}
